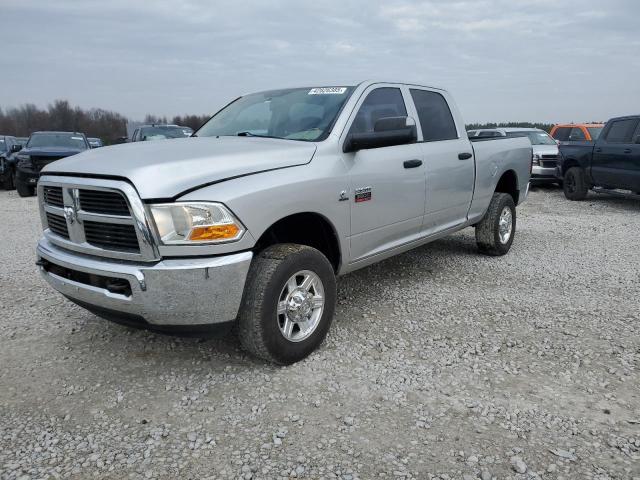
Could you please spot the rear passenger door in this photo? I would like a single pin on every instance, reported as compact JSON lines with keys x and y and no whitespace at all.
{"x":613,"y":162}
{"x":448,"y":161}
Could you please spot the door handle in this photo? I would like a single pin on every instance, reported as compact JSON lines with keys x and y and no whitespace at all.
{"x":464,"y":156}
{"x":598,"y":150}
{"x":627,"y":150}
{"x":412,"y":163}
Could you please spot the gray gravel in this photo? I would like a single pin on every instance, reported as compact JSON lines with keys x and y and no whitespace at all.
{"x":441,"y":363}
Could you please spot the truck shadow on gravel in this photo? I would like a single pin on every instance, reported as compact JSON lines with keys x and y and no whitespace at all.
{"x":143,"y":346}
{"x":619,"y":203}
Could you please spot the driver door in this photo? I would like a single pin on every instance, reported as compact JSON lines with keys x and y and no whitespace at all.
{"x":387,"y":184}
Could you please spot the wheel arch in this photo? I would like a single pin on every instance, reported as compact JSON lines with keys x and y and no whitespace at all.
{"x":508,"y":183}
{"x":305,"y":228}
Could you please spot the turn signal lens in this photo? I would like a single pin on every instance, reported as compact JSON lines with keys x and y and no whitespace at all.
{"x":214,"y":232}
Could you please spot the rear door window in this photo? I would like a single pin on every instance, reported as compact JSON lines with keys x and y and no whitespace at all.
{"x":577,"y":135}
{"x":435,"y":116}
{"x":621,"y":131}
{"x":380,"y":103}
{"x":562,"y":133}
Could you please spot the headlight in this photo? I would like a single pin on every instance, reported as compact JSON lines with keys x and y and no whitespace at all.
{"x":23,"y":160}
{"x":193,"y":223}
{"x":536,"y":159}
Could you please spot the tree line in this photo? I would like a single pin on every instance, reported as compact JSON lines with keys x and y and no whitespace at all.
{"x":542,"y":126}
{"x":111,"y":126}
{"x":107,"y":125}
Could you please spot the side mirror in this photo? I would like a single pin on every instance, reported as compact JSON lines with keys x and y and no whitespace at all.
{"x":16,"y":148}
{"x":387,"y":132}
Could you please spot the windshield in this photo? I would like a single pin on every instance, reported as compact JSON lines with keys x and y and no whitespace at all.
{"x":537,"y":137}
{"x":595,"y":132}
{"x":161,"y":133}
{"x":306,"y":114}
{"x":66,"y":140}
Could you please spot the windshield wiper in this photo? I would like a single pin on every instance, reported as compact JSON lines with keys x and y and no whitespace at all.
{"x":247,"y":134}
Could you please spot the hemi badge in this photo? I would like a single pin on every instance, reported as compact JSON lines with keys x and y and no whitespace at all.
{"x":363,"y":194}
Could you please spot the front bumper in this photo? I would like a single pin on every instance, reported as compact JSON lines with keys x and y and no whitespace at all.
{"x":542,"y":174}
{"x":27,"y":177}
{"x":171,"y":292}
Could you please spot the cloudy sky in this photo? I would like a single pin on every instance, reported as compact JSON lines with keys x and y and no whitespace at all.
{"x":529,"y":60}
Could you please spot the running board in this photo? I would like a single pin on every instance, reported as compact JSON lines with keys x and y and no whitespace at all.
{"x":617,"y":192}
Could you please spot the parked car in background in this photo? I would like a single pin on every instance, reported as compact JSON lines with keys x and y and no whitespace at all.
{"x":485,"y":133}
{"x":273,"y":197}
{"x":94,"y":142}
{"x":8,"y":148}
{"x":545,"y":149}
{"x":41,"y":149}
{"x":576,"y":132}
{"x":160,"y":132}
{"x":612,"y":163}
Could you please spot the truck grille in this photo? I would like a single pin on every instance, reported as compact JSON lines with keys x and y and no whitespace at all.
{"x":53,"y":196}
{"x":104,"y":202}
{"x":96,"y":219}
{"x":111,"y":236}
{"x":39,"y":162}
{"x":549,"y":160}
{"x":58,"y":225}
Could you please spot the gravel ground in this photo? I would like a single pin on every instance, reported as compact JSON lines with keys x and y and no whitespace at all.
{"x":441,"y":363}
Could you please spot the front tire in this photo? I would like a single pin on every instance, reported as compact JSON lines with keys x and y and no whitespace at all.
{"x":495,"y":232}
{"x":575,"y":184}
{"x":288,"y":303}
{"x":24,"y":190}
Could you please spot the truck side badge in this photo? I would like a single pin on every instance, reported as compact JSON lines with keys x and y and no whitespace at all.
{"x":363,"y":194}
{"x":343,"y":196}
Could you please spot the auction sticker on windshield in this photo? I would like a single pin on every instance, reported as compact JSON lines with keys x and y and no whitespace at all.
{"x":328,"y":91}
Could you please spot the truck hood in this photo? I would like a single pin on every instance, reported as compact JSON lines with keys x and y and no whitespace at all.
{"x":545,"y":149}
{"x":50,"y":151}
{"x":168,"y":168}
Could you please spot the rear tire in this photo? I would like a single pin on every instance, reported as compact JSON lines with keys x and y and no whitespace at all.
{"x":288,"y":303}
{"x":575,"y":184}
{"x":495,"y":232}
{"x":25,"y":190}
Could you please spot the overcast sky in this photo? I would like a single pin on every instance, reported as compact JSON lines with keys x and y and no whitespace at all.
{"x":528,"y":60}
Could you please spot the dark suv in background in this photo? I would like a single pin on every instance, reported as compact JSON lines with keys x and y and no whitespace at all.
{"x":42,"y":149}
{"x":160,"y":132}
{"x":610,"y":165}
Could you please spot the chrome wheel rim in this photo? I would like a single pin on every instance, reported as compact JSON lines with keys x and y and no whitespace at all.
{"x":300,"y":306}
{"x":505,"y":225}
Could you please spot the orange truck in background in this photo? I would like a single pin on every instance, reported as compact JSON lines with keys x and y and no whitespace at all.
{"x":577,"y":132}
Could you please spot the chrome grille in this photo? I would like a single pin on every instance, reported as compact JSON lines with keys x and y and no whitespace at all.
{"x":53,"y":196}
{"x":58,"y":225}
{"x":96,"y":217}
{"x":111,"y":236}
{"x":108,"y":203}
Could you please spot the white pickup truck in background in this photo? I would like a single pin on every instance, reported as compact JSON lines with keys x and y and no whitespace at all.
{"x":252,"y":218}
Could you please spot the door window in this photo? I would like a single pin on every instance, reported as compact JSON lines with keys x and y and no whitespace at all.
{"x":577,"y":135}
{"x":621,"y":131}
{"x":562,"y":133}
{"x":380,"y":103}
{"x":435,"y":116}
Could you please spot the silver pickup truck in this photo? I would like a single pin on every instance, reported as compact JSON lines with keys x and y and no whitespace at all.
{"x":250,"y":220}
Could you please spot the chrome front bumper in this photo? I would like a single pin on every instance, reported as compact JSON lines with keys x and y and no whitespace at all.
{"x":543,"y":172}
{"x":180,"y":292}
